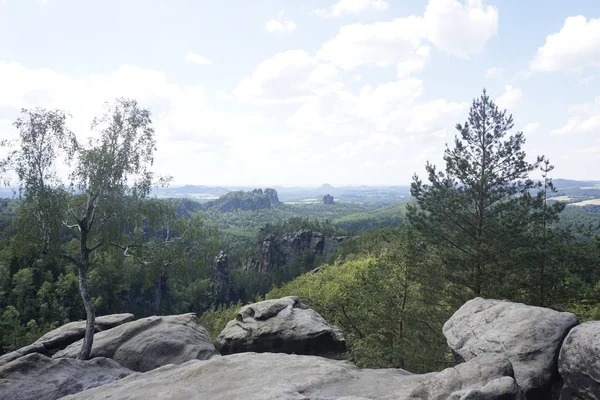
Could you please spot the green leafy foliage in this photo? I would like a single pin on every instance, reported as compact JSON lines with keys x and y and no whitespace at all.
{"x":383,"y":295}
{"x":385,"y":217}
{"x":216,"y":318}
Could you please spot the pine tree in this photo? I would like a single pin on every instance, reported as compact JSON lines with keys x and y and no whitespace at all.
{"x":477,"y":208}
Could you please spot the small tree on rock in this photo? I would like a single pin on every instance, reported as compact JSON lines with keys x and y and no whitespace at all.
{"x":109,"y":175}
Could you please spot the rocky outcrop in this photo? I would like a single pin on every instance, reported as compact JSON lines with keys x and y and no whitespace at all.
{"x":328,"y":199}
{"x":256,"y":199}
{"x":280,"y":326}
{"x":60,"y":338}
{"x":221,"y":283}
{"x":272,"y":194}
{"x":489,"y":376}
{"x":508,"y":351}
{"x":579,"y":363}
{"x":530,"y":337}
{"x":265,"y":376}
{"x":37,"y":377}
{"x":279,"y":251}
{"x":149,"y":343}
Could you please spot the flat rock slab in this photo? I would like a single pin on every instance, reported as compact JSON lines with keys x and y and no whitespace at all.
{"x":63,"y":336}
{"x":37,"y":377}
{"x":264,"y":376}
{"x":579,"y":362}
{"x":149,"y":343}
{"x":489,"y":376}
{"x":530,"y":337}
{"x":280,"y":326}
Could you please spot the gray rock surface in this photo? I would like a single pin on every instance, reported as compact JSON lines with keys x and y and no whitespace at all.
{"x":280,"y":326}
{"x":579,"y":362}
{"x":482,"y":377}
{"x":37,"y":377}
{"x":504,"y":388}
{"x":265,"y":376}
{"x":530,"y":337}
{"x":151,"y":342}
{"x":221,"y":284}
{"x":63,"y":336}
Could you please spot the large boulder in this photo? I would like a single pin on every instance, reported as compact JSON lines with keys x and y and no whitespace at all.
{"x":280,"y":326}
{"x":37,"y":377}
{"x":579,"y":362}
{"x":63,"y":336}
{"x":149,"y":343}
{"x":530,"y":337}
{"x":264,"y":376}
{"x":485,"y":377}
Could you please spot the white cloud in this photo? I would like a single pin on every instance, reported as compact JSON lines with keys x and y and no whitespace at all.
{"x":375,"y":142}
{"x":510,"y":97}
{"x":286,"y":25}
{"x":196,"y":58}
{"x":575,"y":46}
{"x":407,"y":67}
{"x":287,"y":77}
{"x":493,"y":72}
{"x":531,"y":128}
{"x":189,"y":131}
{"x":280,"y":24}
{"x":586,"y":80}
{"x":585,"y":118}
{"x":522,"y":75}
{"x":380,"y":44}
{"x":435,"y":117}
{"x":460,"y":29}
{"x":351,"y":7}
{"x":388,"y":108}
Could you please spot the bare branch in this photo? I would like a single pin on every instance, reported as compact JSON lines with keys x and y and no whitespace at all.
{"x":71,"y":259}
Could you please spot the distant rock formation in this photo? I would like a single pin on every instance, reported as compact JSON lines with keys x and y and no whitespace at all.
{"x":328,"y":199}
{"x":256,"y":199}
{"x":221,"y":283}
{"x":278,"y":251}
{"x":272,"y":193}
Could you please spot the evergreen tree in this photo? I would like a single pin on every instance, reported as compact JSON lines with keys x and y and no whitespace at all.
{"x":478,"y":207}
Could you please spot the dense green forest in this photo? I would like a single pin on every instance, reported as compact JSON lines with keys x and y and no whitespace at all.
{"x":479,"y":226}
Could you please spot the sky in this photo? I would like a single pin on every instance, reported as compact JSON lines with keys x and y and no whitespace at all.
{"x":290,"y":92}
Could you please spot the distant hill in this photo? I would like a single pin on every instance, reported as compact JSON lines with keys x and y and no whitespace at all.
{"x":196,"y":192}
{"x":577,"y":192}
{"x":564,"y":184}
